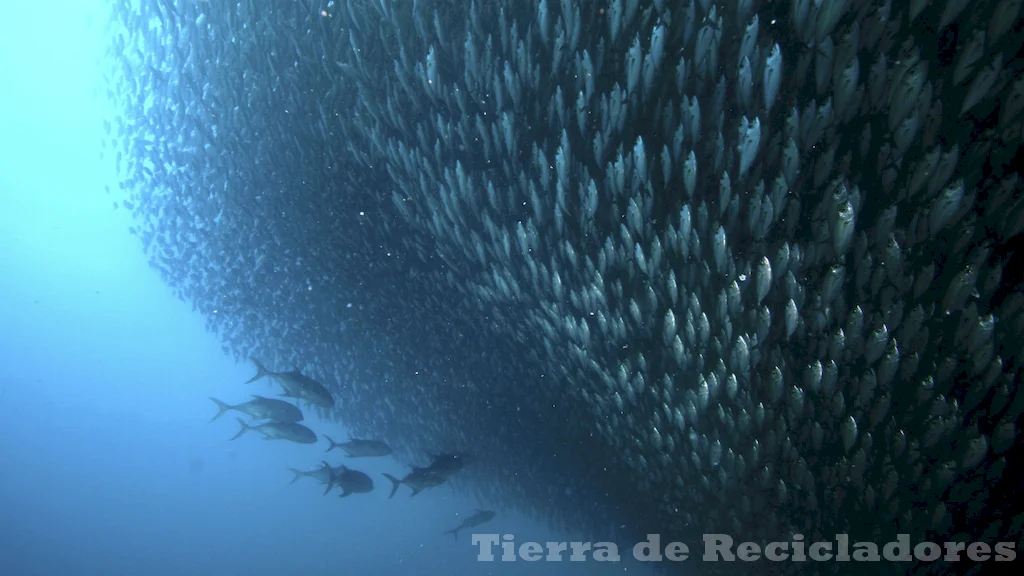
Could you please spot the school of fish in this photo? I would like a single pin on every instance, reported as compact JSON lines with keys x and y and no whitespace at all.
{"x":702,"y":266}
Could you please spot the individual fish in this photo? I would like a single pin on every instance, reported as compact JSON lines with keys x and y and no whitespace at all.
{"x":320,"y":474}
{"x":479,"y":517}
{"x":350,"y":481}
{"x":261,"y":408}
{"x":291,"y":431}
{"x":296,"y":385}
{"x":356,"y":448}
{"x":418,"y":480}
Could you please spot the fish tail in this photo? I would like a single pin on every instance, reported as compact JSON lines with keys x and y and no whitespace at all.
{"x":330,"y":477}
{"x":333,"y":443}
{"x":223,"y":407}
{"x":261,"y":371}
{"x":298,"y":474}
{"x":245,"y":428}
{"x":395,"y":483}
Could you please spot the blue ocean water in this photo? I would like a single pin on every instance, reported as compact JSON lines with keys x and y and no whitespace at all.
{"x":110,"y":466}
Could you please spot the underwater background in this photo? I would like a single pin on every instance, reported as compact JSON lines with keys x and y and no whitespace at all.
{"x":638,"y":267}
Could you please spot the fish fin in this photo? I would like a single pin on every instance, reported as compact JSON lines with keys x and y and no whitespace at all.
{"x":454,"y":533}
{"x":223,"y":407}
{"x":415,"y":491}
{"x":257,"y":396}
{"x":298,"y":474}
{"x":261,"y":371}
{"x":395,"y":483}
{"x":344,"y":493}
{"x":245,"y":428}
{"x":333,"y":444}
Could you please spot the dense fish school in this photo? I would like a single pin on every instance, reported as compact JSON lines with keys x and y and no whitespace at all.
{"x":700,"y":266}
